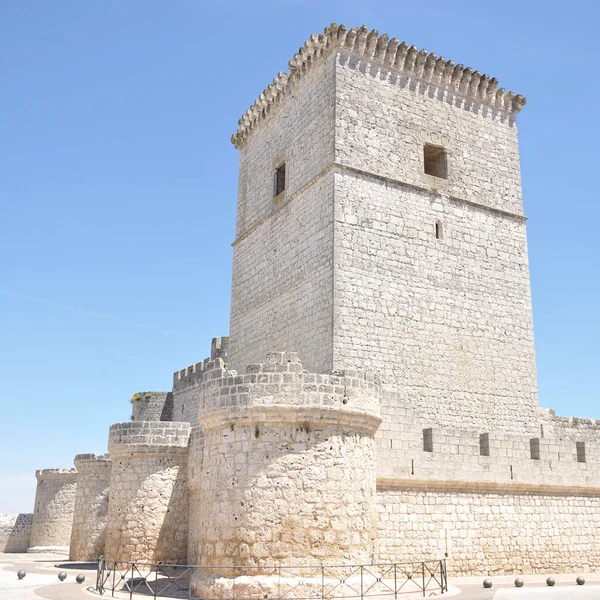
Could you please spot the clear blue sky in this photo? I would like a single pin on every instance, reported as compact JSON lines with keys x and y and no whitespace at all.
{"x":118,"y":188}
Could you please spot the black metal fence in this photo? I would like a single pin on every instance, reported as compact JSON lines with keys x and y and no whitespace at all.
{"x":396,"y":580}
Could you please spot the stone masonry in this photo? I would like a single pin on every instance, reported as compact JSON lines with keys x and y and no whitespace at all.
{"x":376,"y":400}
{"x":91,"y":506}
{"x":53,"y":510}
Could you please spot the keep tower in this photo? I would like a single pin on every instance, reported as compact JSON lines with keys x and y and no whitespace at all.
{"x":380,"y":226}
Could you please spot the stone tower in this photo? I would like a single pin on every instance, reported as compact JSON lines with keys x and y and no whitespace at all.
{"x":380,"y":226}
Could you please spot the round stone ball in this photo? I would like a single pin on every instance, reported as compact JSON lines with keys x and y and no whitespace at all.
{"x":580,"y":580}
{"x":80,"y":578}
{"x":21,"y":574}
{"x":550,"y":581}
{"x":519,"y":582}
{"x":487,"y":583}
{"x":62,"y":575}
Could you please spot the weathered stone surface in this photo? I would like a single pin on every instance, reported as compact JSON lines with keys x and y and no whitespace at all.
{"x":91,"y":506}
{"x":148,"y":508}
{"x":53,"y":511}
{"x":15,"y":532}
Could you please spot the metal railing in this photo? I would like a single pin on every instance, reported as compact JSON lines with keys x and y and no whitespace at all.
{"x":324,"y":582}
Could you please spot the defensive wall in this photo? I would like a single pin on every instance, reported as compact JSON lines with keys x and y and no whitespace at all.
{"x":15,"y":532}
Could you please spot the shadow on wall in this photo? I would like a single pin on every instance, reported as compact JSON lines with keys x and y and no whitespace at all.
{"x":171,"y":546}
{"x":18,"y":534}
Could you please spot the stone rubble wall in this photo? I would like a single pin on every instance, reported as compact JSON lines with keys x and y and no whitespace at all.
{"x":15,"y":532}
{"x":53,"y":510}
{"x":287,"y":461}
{"x":91,"y":506}
{"x":148,"y":508}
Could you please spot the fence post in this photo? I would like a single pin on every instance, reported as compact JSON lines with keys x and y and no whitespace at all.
{"x":395,"y":582}
{"x":112,"y":595}
{"x":423,"y":571}
{"x":361,"y":583}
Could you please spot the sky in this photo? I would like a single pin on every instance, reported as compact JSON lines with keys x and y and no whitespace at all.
{"x":118,"y":191}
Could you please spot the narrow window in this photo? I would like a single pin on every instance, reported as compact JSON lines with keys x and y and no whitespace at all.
{"x":438,"y":230}
{"x":581,"y":452}
{"x":427,"y":440}
{"x":280,"y":179}
{"x":435,"y":161}
{"x":484,"y":444}
{"x":534,"y":448}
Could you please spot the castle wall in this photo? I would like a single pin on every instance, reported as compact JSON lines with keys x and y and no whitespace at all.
{"x":152,"y":406}
{"x":187,"y":383}
{"x":446,"y":321}
{"x":499,"y":532}
{"x":287,"y":468}
{"x":147,"y":513}
{"x":15,"y":532}
{"x":91,"y":506}
{"x":195,"y":472}
{"x":282,"y":256}
{"x":53,"y":510}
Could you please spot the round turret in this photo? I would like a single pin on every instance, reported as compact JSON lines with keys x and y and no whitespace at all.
{"x":147,"y":514}
{"x":91,"y":506}
{"x":53,"y":511}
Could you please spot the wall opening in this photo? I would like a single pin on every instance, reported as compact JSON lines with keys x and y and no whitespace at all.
{"x":428,"y":440}
{"x":280,"y":179}
{"x":438,"y":230}
{"x":534,"y":448}
{"x":484,"y":444}
{"x":435,"y":161}
{"x":581,"y":452}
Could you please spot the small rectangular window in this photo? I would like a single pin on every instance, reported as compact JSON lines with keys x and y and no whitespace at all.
{"x":581,"y":452}
{"x":435,"y":161}
{"x":484,"y":444}
{"x":280,"y":179}
{"x":427,"y":440}
{"x":534,"y":448}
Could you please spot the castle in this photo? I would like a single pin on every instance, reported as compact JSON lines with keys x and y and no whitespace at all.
{"x":376,"y":400}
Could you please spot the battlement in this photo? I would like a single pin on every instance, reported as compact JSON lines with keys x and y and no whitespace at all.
{"x":192,"y":375}
{"x":91,"y":458}
{"x":219,"y":347}
{"x":398,"y":56}
{"x":147,"y":437}
{"x":282,"y":382}
{"x":62,"y":474}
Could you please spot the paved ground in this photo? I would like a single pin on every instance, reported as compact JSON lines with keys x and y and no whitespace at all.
{"x":535,"y":588}
{"x":41,"y":581}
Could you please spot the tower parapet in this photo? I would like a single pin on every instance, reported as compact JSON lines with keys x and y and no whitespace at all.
{"x":91,"y":506}
{"x":147,"y":513}
{"x":187,"y":382}
{"x":53,"y":510}
{"x":152,"y":406}
{"x":288,"y":462}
